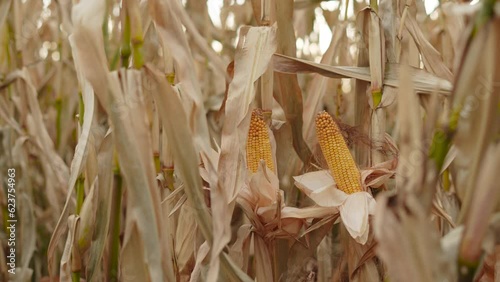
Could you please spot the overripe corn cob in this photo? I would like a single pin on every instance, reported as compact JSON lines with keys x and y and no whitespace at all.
{"x":258,"y":143}
{"x":337,"y":155}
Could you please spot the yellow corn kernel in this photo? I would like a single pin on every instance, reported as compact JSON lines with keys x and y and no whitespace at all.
{"x":337,"y":155}
{"x":258,"y":143}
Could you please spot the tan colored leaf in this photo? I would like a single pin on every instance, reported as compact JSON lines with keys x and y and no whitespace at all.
{"x":433,"y":61}
{"x":407,"y":242}
{"x":172,"y":35}
{"x":424,"y":82}
{"x":485,"y":200}
{"x":316,"y":91}
{"x":263,"y":263}
{"x":475,"y":108}
{"x":133,"y":265}
{"x":103,"y":206}
{"x":411,"y":155}
{"x":179,"y":11}
{"x":65,"y":263}
{"x":128,"y":121}
{"x":186,"y":241}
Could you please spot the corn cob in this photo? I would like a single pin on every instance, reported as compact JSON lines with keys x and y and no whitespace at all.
{"x":258,"y":143}
{"x":337,"y":155}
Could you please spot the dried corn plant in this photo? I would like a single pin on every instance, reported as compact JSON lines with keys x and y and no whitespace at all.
{"x":252,"y":140}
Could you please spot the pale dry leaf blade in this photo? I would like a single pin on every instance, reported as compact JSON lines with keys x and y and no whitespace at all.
{"x":185,"y":157}
{"x":484,"y":203}
{"x":185,"y":237}
{"x":104,"y":198}
{"x":136,"y":164}
{"x":133,"y":266}
{"x":407,"y":242}
{"x":81,"y":149}
{"x":170,"y":31}
{"x":65,"y":262}
{"x":433,"y":61}
{"x":27,"y":228}
{"x":424,"y":81}
{"x":476,"y":99}
{"x":316,"y":90}
{"x":220,"y":66}
{"x":255,"y":49}
{"x":4,"y":8}
{"x":263,"y":263}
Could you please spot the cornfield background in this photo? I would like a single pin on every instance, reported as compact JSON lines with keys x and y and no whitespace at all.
{"x":166,"y":140}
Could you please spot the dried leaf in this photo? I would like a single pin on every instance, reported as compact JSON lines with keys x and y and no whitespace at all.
{"x":103,"y":206}
{"x":424,"y":82}
{"x":433,"y":61}
{"x":133,"y":265}
{"x":407,"y":242}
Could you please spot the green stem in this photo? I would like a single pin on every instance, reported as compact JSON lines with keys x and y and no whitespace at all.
{"x":168,"y":173}
{"x":75,"y":276}
{"x":441,"y":141}
{"x":137,"y":36}
{"x":374,"y":5}
{"x":115,"y":231}
{"x":377,"y":97}
{"x":80,"y":193}
{"x":81,"y":110}
{"x":125,"y":48}
{"x":105,"y":31}
{"x":483,"y":16}
{"x":115,"y":60}
{"x":137,"y":53}
{"x":466,"y":270}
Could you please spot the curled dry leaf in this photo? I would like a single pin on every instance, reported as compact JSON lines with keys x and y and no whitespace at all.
{"x":354,"y":208}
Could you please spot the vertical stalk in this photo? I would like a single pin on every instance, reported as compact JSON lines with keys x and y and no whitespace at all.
{"x":137,"y":37}
{"x":115,"y":227}
{"x":374,"y":5}
{"x":80,"y":191}
{"x":125,"y":45}
{"x":75,"y":276}
{"x":346,"y":15}
{"x":105,"y":31}
{"x":58,"y":105}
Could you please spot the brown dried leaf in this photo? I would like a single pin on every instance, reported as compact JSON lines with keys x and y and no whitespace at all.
{"x":408,"y":244}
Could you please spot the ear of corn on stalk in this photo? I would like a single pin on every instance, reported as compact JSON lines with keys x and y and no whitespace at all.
{"x":337,"y":155}
{"x":258,"y":143}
